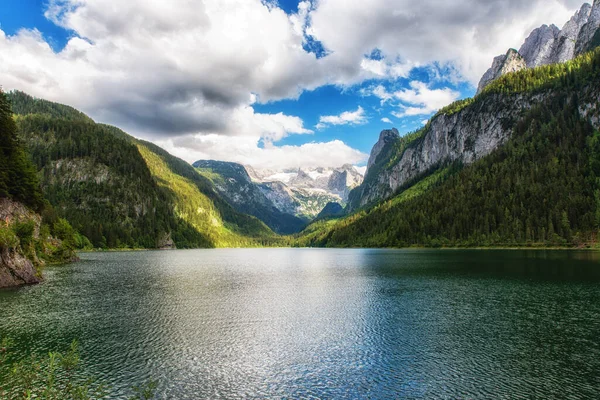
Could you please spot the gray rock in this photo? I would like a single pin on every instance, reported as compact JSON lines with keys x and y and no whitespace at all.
{"x":15,"y":268}
{"x":343,"y":180}
{"x":588,"y":30}
{"x":549,"y":45}
{"x":510,"y":62}
{"x":538,"y":48}
{"x":467,"y":136}
{"x":385,"y":137}
{"x":566,"y":44}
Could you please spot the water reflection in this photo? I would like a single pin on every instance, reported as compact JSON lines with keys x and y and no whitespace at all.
{"x":297,"y":323}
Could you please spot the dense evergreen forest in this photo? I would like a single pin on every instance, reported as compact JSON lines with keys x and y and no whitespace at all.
{"x":18,"y":179}
{"x":120,"y":192}
{"x":540,"y":188}
{"x":19,"y":182}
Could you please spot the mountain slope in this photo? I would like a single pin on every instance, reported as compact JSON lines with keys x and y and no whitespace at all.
{"x":232,"y":181}
{"x":540,"y":186}
{"x":114,"y":188}
{"x":26,"y":241}
{"x":470,"y":129}
{"x":331,"y":210}
{"x":548,"y":45}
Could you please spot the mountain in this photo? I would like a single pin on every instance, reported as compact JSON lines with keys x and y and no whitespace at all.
{"x":233,"y":182}
{"x":548,"y":45}
{"x":512,"y":61}
{"x":519,"y":164}
{"x":304,"y":192}
{"x":470,"y":129}
{"x":122,"y":192}
{"x":27,"y":241}
{"x":331,"y":210}
{"x":376,"y":185}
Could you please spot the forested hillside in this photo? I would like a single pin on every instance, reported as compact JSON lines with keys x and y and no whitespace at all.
{"x":27,"y":241}
{"x":470,"y":129}
{"x":18,"y":179}
{"x":542,"y":187}
{"x":120,"y":192}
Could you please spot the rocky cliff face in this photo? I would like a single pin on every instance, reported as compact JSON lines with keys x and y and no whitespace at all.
{"x":589,"y":30}
{"x":465,"y":137}
{"x":343,"y":180}
{"x":15,"y":268}
{"x":539,"y":45}
{"x":510,"y":62}
{"x":549,"y":45}
{"x":385,"y":138}
{"x":282,"y":197}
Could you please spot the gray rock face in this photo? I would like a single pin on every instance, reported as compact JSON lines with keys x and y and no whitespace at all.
{"x":385,"y":137}
{"x":569,"y":36}
{"x":303,"y":180}
{"x":549,"y":45}
{"x":15,"y":268}
{"x":588,"y":30}
{"x":343,"y":180}
{"x":539,"y":46}
{"x":281,"y":196}
{"x":510,"y":62}
{"x":467,"y":136}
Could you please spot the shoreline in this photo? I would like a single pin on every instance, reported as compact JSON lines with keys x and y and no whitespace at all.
{"x":479,"y":248}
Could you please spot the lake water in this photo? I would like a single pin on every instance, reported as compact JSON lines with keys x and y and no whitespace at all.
{"x":316,"y":323}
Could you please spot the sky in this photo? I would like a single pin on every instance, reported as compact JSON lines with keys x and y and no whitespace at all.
{"x":272,"y":84}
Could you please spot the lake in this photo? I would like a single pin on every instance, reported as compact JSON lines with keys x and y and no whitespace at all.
{"x":323,"y":323}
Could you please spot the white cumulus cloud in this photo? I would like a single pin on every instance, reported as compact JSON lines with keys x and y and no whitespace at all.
{"x":246,"y":150}
{"x":196,"y":68}
{"x":357,"y":117}
{"x":421,"y":100}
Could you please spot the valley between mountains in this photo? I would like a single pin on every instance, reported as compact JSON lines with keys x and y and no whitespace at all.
{"x":517,"y":165}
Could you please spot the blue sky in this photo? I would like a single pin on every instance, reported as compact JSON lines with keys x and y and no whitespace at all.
{"x":315,"y":85}
{"x":29,"y":14}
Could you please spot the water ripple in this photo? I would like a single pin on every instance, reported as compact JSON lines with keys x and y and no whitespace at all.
{"x":321,"y":324}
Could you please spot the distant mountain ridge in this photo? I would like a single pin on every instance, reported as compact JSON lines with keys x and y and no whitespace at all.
{"x":233,"y":182}
{"x":548,"y":45}
{"x":285,"y":200}
{"x":304,"y":192}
